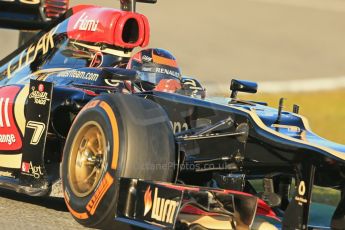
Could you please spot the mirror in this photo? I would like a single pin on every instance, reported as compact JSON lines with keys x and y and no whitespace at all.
{"x":119,"y":74}
{"x":242,"y":86}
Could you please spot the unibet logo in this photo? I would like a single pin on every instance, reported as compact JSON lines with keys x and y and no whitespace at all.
{"x":162,"y":209}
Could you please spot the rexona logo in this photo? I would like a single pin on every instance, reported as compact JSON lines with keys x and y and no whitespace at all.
{"x":10,"y":138}
{"x":31,"y":170}
{"x":162,"y":210}
{"x":86,"y":24}
{"x":39,"y":95}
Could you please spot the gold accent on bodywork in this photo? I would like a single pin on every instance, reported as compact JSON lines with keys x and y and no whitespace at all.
{"x":11,"y":161}
{"x":38,"y":74}
{"x":290,"y":128}
{"x":106,"y":50}
{"x":212,"y":222}
{"x":260,"y":123}
{"x":304,"y":121}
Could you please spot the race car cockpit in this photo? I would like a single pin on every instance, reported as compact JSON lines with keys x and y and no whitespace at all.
{"x":158,"y":70}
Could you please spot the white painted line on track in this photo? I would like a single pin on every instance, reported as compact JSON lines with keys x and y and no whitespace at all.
{"x":300,"y":85}
{"x":303,"y":85}
{"x":324,"y":5}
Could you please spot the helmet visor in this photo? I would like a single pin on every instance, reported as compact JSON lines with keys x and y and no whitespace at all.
{"x":155,"y":78}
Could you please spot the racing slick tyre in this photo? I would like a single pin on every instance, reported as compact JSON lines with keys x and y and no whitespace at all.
{"x":113,"y":136}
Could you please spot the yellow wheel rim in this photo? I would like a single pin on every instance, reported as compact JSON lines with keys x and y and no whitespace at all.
{"x":87,"y":160}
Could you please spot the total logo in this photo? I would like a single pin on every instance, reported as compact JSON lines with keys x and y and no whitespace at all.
{"x":86,"y":24}
{"x":40,"y":97}
{"x":162,"y":210}
{"x":31,"y":170}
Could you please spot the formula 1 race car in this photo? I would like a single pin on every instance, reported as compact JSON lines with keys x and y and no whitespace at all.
{"x":130,"y":157}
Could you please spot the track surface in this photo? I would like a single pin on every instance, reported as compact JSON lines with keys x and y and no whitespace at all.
{"x":253,"y":39}
{"x":18,"y":211}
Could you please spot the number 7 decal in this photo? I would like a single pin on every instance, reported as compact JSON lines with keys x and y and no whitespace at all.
{"x":39,"y":128}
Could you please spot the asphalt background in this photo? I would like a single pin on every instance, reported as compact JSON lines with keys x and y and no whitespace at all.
{"x":261,"y":40}
{"x":250,"y":39}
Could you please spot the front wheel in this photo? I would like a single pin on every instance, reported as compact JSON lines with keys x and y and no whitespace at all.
{"x":113,"y":136}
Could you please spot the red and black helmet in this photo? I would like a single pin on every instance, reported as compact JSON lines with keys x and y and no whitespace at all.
{"x":155,"y":65}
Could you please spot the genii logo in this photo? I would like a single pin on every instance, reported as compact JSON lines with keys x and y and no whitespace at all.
{"x":10,"y":138}
{"x":39,"y":95}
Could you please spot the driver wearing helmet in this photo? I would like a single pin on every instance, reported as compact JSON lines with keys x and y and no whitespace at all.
{"x":158,"y":70}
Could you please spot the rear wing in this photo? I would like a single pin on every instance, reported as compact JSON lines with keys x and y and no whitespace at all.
{"x":30,"y":14}
{"x":130,"y":5}
{"x":39,"y":14}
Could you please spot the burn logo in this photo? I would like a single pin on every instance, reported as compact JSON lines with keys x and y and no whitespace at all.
{"x":162,"y":209}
